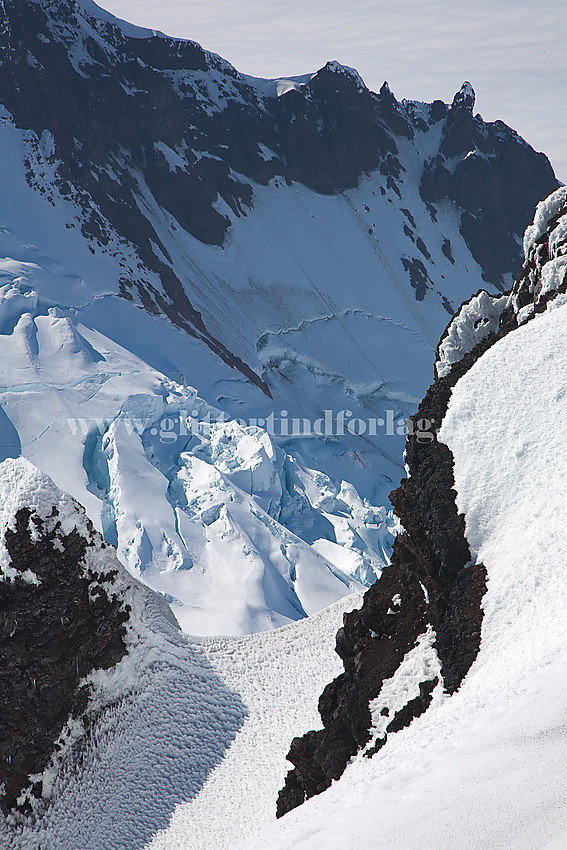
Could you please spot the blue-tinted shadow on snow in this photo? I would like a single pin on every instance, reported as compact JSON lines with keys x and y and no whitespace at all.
{"x":150,"y":753}
{"x":10,"y":445}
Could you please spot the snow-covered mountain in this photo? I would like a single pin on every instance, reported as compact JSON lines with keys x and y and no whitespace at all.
{"x":191,"y":259}
{"x":111,"y":716}
{"x":456,"y":657}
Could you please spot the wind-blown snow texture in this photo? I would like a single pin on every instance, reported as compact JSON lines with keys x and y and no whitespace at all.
{"x":489,"y":759}
{"x":167,"y":715}
{"x":291,"y":289}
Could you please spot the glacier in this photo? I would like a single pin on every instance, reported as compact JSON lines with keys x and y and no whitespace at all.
{"x":88,"y":376}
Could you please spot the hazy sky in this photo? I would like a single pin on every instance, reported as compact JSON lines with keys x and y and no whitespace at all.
{"x":514,"y":52}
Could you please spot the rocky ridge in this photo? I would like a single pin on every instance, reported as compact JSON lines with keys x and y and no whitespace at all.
{"x":66,"y":610}
{"x":431,"y":584}
{"x":56,"y":628}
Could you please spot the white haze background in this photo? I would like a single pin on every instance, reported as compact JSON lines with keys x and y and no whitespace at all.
{"x":513,"y":51}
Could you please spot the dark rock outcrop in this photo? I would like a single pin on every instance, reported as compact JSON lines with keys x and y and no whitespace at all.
{"x":429,"y":574}
{"x":430,"y":581}
{"x":477,"y":168}
{"x":59,"y":620}
{"x":334,"y":129}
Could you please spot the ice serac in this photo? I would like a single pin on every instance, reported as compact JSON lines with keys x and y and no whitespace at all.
{"x":434,"y":586}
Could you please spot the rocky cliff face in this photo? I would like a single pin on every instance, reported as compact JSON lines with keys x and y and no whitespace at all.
{"x":474,"y":168}
{"x":138,"y":125}
{"x":431,"y":585}
{"x":63,"y":615}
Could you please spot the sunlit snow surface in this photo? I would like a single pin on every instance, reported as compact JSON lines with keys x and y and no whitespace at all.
{"x":195,"y":755}
{"x":244,"y":533}
{"x":486,"y":767}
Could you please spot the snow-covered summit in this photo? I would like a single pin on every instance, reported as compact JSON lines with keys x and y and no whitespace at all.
{"x":338,"y":68}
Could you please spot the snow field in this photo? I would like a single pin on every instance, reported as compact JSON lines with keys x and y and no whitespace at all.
{"x":279,"y":676}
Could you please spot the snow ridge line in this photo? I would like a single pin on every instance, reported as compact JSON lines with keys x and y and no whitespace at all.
{"x":396,"y":611}
{"x":431,"y":582}
{"x":485,"y":316}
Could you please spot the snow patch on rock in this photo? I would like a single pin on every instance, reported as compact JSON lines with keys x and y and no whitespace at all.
{"x":474,"y":321}
{"x":545,"y":211}
{"x":420,"y":664}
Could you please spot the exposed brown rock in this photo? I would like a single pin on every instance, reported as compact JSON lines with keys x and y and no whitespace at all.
{"x":430,"y":571}
{"x":52,"y":634}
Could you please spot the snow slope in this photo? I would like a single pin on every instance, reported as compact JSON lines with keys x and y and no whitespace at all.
{"x":177,"y":716}
{"x":163,"y":178}
{"x":194,"y":754}
{"x":191,"y":750}
{"x":275,"y":675}
{"x":484,"y":768}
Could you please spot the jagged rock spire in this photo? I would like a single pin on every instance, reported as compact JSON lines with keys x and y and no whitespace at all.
{"x":387,"y":95}
{"x":464,"y":98}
